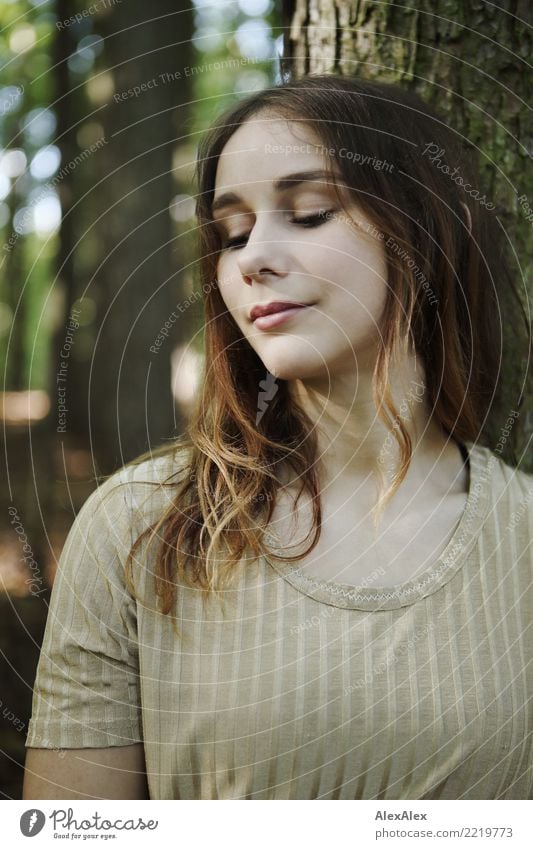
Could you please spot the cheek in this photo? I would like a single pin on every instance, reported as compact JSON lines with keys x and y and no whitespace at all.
{"x":227,"y":271}
{"x":234,"y":300}
{"x":359,"y":290}
{"x":227,"y":287}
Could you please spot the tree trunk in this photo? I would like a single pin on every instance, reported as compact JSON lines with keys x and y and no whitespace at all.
{"x":136,"y":280}
{"x":468,"y":60}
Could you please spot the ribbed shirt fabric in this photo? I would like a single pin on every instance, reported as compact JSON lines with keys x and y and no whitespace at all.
{"x":299,"y":688}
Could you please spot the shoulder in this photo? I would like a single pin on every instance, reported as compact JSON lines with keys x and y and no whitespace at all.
{"x":100,"y":539}
{"x":134,"y":495}
{"x":138,"y":476}
{"x":163,"y":466}
{"x":508,"y":489}
{"x":505,"y":479}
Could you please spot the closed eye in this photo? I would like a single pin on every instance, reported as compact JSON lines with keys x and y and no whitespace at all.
{"x":314,"y":220}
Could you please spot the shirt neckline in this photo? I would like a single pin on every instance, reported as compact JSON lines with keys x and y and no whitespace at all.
{"x":380,"y":597}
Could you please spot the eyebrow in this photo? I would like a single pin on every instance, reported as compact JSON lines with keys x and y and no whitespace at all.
{"x":281,"y":185}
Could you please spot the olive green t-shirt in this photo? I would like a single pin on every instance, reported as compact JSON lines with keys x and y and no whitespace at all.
{"x":299,"y":688}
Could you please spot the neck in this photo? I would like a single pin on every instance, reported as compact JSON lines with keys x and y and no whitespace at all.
{"x":353,"y":442}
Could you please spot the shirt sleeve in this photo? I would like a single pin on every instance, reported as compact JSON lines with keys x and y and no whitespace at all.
{"x":86,"y":691}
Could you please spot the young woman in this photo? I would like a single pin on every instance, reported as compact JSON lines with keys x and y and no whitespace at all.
{"x":338,"y":604}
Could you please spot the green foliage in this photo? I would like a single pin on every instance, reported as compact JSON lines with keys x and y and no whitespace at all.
{"x":235,"y":54}
{"x":26,"y":40}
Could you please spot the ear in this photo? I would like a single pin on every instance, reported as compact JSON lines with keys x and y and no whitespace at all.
{"x":468,"y":216}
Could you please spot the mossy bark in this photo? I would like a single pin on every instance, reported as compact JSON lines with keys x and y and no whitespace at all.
{"x":469,"y":61}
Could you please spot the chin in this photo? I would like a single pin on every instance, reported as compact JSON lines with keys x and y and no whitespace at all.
{"x":294,"y":367}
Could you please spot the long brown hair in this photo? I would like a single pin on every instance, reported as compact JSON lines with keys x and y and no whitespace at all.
{"x":448,"y":283}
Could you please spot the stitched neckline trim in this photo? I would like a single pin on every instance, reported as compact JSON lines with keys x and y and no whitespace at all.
{"x":432,"y":579}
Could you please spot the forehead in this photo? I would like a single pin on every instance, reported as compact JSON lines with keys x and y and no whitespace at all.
{"x":267,"y":146}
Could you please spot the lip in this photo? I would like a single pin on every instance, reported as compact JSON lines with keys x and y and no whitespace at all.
{"x":272,"y":319}
{"x":273,"y":307}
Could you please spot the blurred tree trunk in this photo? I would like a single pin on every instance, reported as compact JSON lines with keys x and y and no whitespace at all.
{"x":12,"y":265}
{"x":469,"y":61}
{"x":68,"y":115}
{"x":137,"y":282}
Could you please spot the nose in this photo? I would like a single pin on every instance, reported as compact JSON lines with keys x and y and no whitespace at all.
{"x":261,"y":256}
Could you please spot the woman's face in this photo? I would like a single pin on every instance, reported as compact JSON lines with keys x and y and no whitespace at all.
{"x":333,"y":264}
